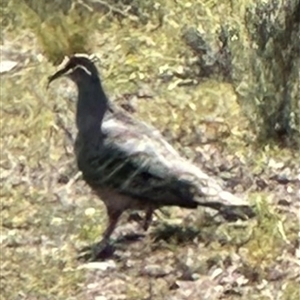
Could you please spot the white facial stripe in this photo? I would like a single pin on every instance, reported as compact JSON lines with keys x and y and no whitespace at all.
{"x":84,"y":69}
{"x":82,"y":55}
{"x":79,"y":67}
{"x":92,"y":57}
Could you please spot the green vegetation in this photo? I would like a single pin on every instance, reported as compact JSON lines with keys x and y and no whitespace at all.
{"x":221,"y":123}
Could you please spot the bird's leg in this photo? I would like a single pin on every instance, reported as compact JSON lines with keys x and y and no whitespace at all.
{"x":148,"y":218}
{"x":113,"y":216}
{"x":104,"y":249}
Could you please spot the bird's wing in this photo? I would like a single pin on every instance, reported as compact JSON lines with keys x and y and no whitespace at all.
{"x":132,"y":162}
{"x":136,"y":161}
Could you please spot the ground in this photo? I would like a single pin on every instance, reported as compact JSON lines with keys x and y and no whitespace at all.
{"x":48,"y":214}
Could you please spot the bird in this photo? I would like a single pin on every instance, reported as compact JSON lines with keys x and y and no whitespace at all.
{"x":128,"y":163}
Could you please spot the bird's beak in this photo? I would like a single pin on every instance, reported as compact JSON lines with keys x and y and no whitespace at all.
{"x":56,"y":75}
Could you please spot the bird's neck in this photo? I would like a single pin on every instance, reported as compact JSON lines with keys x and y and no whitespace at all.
{"x":91,"y":107}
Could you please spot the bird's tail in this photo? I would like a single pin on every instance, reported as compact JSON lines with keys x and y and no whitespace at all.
{"x":228,"y":205}
{"x":207,"y":192}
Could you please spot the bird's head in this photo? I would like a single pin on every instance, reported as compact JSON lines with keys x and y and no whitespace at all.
{"x":78,"y":67}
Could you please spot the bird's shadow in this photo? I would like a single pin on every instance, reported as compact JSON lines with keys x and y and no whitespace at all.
{"x":104,"y":250}
{"x":175,"y":234}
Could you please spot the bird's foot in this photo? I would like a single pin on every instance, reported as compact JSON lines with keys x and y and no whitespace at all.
{"x":106,"y":248}
{"x":98,"y":251}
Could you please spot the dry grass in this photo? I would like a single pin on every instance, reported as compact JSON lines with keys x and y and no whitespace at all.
{"x":47,"y":215}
